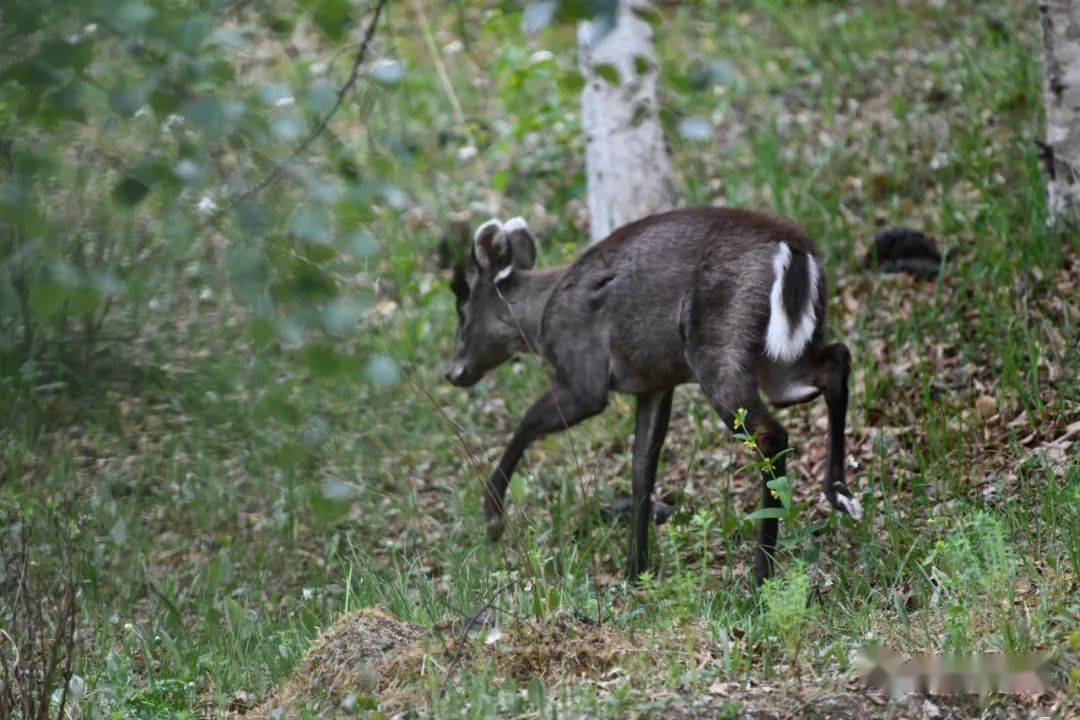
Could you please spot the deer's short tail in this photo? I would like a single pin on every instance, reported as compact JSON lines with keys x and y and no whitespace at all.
{"x":793,"y":304}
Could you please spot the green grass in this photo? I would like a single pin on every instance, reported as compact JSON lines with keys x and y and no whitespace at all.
{"x":240,"y":500}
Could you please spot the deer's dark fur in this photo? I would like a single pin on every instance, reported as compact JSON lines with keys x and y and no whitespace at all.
{"x":728,"y":299}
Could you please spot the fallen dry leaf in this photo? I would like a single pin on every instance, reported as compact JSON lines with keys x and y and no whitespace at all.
{"x":986,"y":405}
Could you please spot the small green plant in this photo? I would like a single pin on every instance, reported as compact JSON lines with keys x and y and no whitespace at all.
{"x":788,"y":609}
{"x":973,"y":563}
{"x":676,"y":598}
{"x":704,"y":521}
{"x":976,"y":557}
{"x":730,"y":709}
{"x":1068,"y":505}
{"x":779,"y":486}
{"x":796,"y":531}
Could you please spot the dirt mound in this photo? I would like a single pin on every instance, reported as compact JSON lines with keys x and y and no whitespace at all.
{"x":370,"y":654}
{"x":369,"y":658}
{"x":558,"y":648}
{"x":347,"y":659}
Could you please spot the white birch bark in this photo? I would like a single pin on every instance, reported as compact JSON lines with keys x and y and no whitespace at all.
{"x":626,"y":158}
{"x":1061,"y":36}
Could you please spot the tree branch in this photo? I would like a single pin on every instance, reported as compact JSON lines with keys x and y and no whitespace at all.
{"x":345,"y":89}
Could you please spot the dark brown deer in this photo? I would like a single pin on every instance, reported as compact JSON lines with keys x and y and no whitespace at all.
{"x":731,"y":300}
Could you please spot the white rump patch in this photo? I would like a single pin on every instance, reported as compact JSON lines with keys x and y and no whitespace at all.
{"x":516,"y":223}
{"x":783,"y":342}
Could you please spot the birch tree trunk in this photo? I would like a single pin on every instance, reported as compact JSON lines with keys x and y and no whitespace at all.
{"x":626,"y":158}
{"x":1061,"y":36}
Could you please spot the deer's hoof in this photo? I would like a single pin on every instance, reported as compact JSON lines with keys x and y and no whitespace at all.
{"x":844,"y":501}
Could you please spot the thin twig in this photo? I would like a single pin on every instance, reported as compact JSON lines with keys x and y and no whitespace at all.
{"x":470,"y":453}
{"x":345,"y":89}
{"x":440,"y":70}
{"x":465,"y":636}
{"x":67,"y":635}
{"x":459,"y":435}
{"x":14,"y":646}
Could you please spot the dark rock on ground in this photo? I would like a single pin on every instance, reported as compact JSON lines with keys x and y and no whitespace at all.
{"x":905,"y":250}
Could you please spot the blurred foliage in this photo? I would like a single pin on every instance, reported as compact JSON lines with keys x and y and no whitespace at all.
{"x":133,"y":138}
{"x":146,"y":143}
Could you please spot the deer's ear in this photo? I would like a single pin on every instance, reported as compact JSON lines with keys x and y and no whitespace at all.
{"x":501,"y":249}
{"x":522,"y":245}
{"x":492,"y":250}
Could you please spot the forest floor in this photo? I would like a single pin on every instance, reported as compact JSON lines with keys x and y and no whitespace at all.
{"x":226,"y":507}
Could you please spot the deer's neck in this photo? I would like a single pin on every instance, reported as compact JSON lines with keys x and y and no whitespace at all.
{"x":533,"y":292}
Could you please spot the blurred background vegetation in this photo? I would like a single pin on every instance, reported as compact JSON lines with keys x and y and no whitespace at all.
{"x":224,"y":233}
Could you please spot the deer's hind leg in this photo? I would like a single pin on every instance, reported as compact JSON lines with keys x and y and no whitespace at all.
{"x":723,"y":331}
{"x":833,"y":366}
{"x":728,"y":396}
{"x":822,"y":371}
{"x":727,"y":381}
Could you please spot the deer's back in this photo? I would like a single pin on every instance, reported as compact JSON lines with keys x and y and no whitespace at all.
{"x":628,"y":296}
